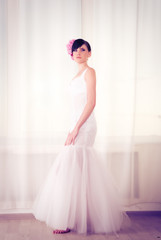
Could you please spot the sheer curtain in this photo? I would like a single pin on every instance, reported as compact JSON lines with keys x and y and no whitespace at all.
{"x":35,"y":70}
{"x":127,"y":55}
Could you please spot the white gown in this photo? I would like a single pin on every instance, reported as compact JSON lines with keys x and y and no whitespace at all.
{"x":78,"y":192}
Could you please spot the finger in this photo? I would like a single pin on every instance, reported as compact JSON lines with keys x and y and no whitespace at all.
{"x":69,"y":141}
{"x":74,"y":140}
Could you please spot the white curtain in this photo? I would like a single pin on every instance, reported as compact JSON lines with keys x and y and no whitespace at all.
{"x":35,"y":70}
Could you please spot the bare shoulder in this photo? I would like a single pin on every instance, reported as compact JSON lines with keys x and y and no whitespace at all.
{"x":90,"y":73}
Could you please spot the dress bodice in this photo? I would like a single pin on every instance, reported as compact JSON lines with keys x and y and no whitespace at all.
{"x":78,"y":93}
{"x":77,"y":85}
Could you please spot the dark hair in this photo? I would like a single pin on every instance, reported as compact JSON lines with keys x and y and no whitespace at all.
{"x":78,"y":43}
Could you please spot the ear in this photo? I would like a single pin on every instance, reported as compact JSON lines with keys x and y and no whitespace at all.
{"x":89,"y":54}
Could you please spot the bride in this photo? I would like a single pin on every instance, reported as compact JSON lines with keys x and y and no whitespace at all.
{"x":78,"y":194}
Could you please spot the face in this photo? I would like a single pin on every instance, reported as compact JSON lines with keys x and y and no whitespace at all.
{"x":81,"y":55}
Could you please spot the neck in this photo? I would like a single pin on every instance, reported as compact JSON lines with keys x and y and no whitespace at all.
{"x":82,"y":66}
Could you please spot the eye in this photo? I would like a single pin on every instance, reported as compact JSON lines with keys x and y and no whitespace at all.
{"x":82,"y":49}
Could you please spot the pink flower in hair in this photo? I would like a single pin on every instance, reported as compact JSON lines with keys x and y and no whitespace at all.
{"x":69,"y":47}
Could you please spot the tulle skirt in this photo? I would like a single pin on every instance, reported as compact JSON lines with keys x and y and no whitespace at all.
{"x":79,"y":193}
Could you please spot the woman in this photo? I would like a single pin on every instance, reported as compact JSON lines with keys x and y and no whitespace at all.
{"x":78,"y":193}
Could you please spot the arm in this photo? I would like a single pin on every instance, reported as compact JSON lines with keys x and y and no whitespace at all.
{"x":90,"y":79}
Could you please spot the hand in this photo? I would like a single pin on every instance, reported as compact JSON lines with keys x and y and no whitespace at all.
{"x":71,"y":137}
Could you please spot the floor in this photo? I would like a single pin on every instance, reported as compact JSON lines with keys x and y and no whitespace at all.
{"x":145,"y":226}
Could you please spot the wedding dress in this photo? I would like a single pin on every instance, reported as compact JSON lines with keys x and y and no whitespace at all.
{"x":78,"y":192}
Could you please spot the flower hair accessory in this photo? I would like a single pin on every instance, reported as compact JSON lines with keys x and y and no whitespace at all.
{"x":69,"y":47}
